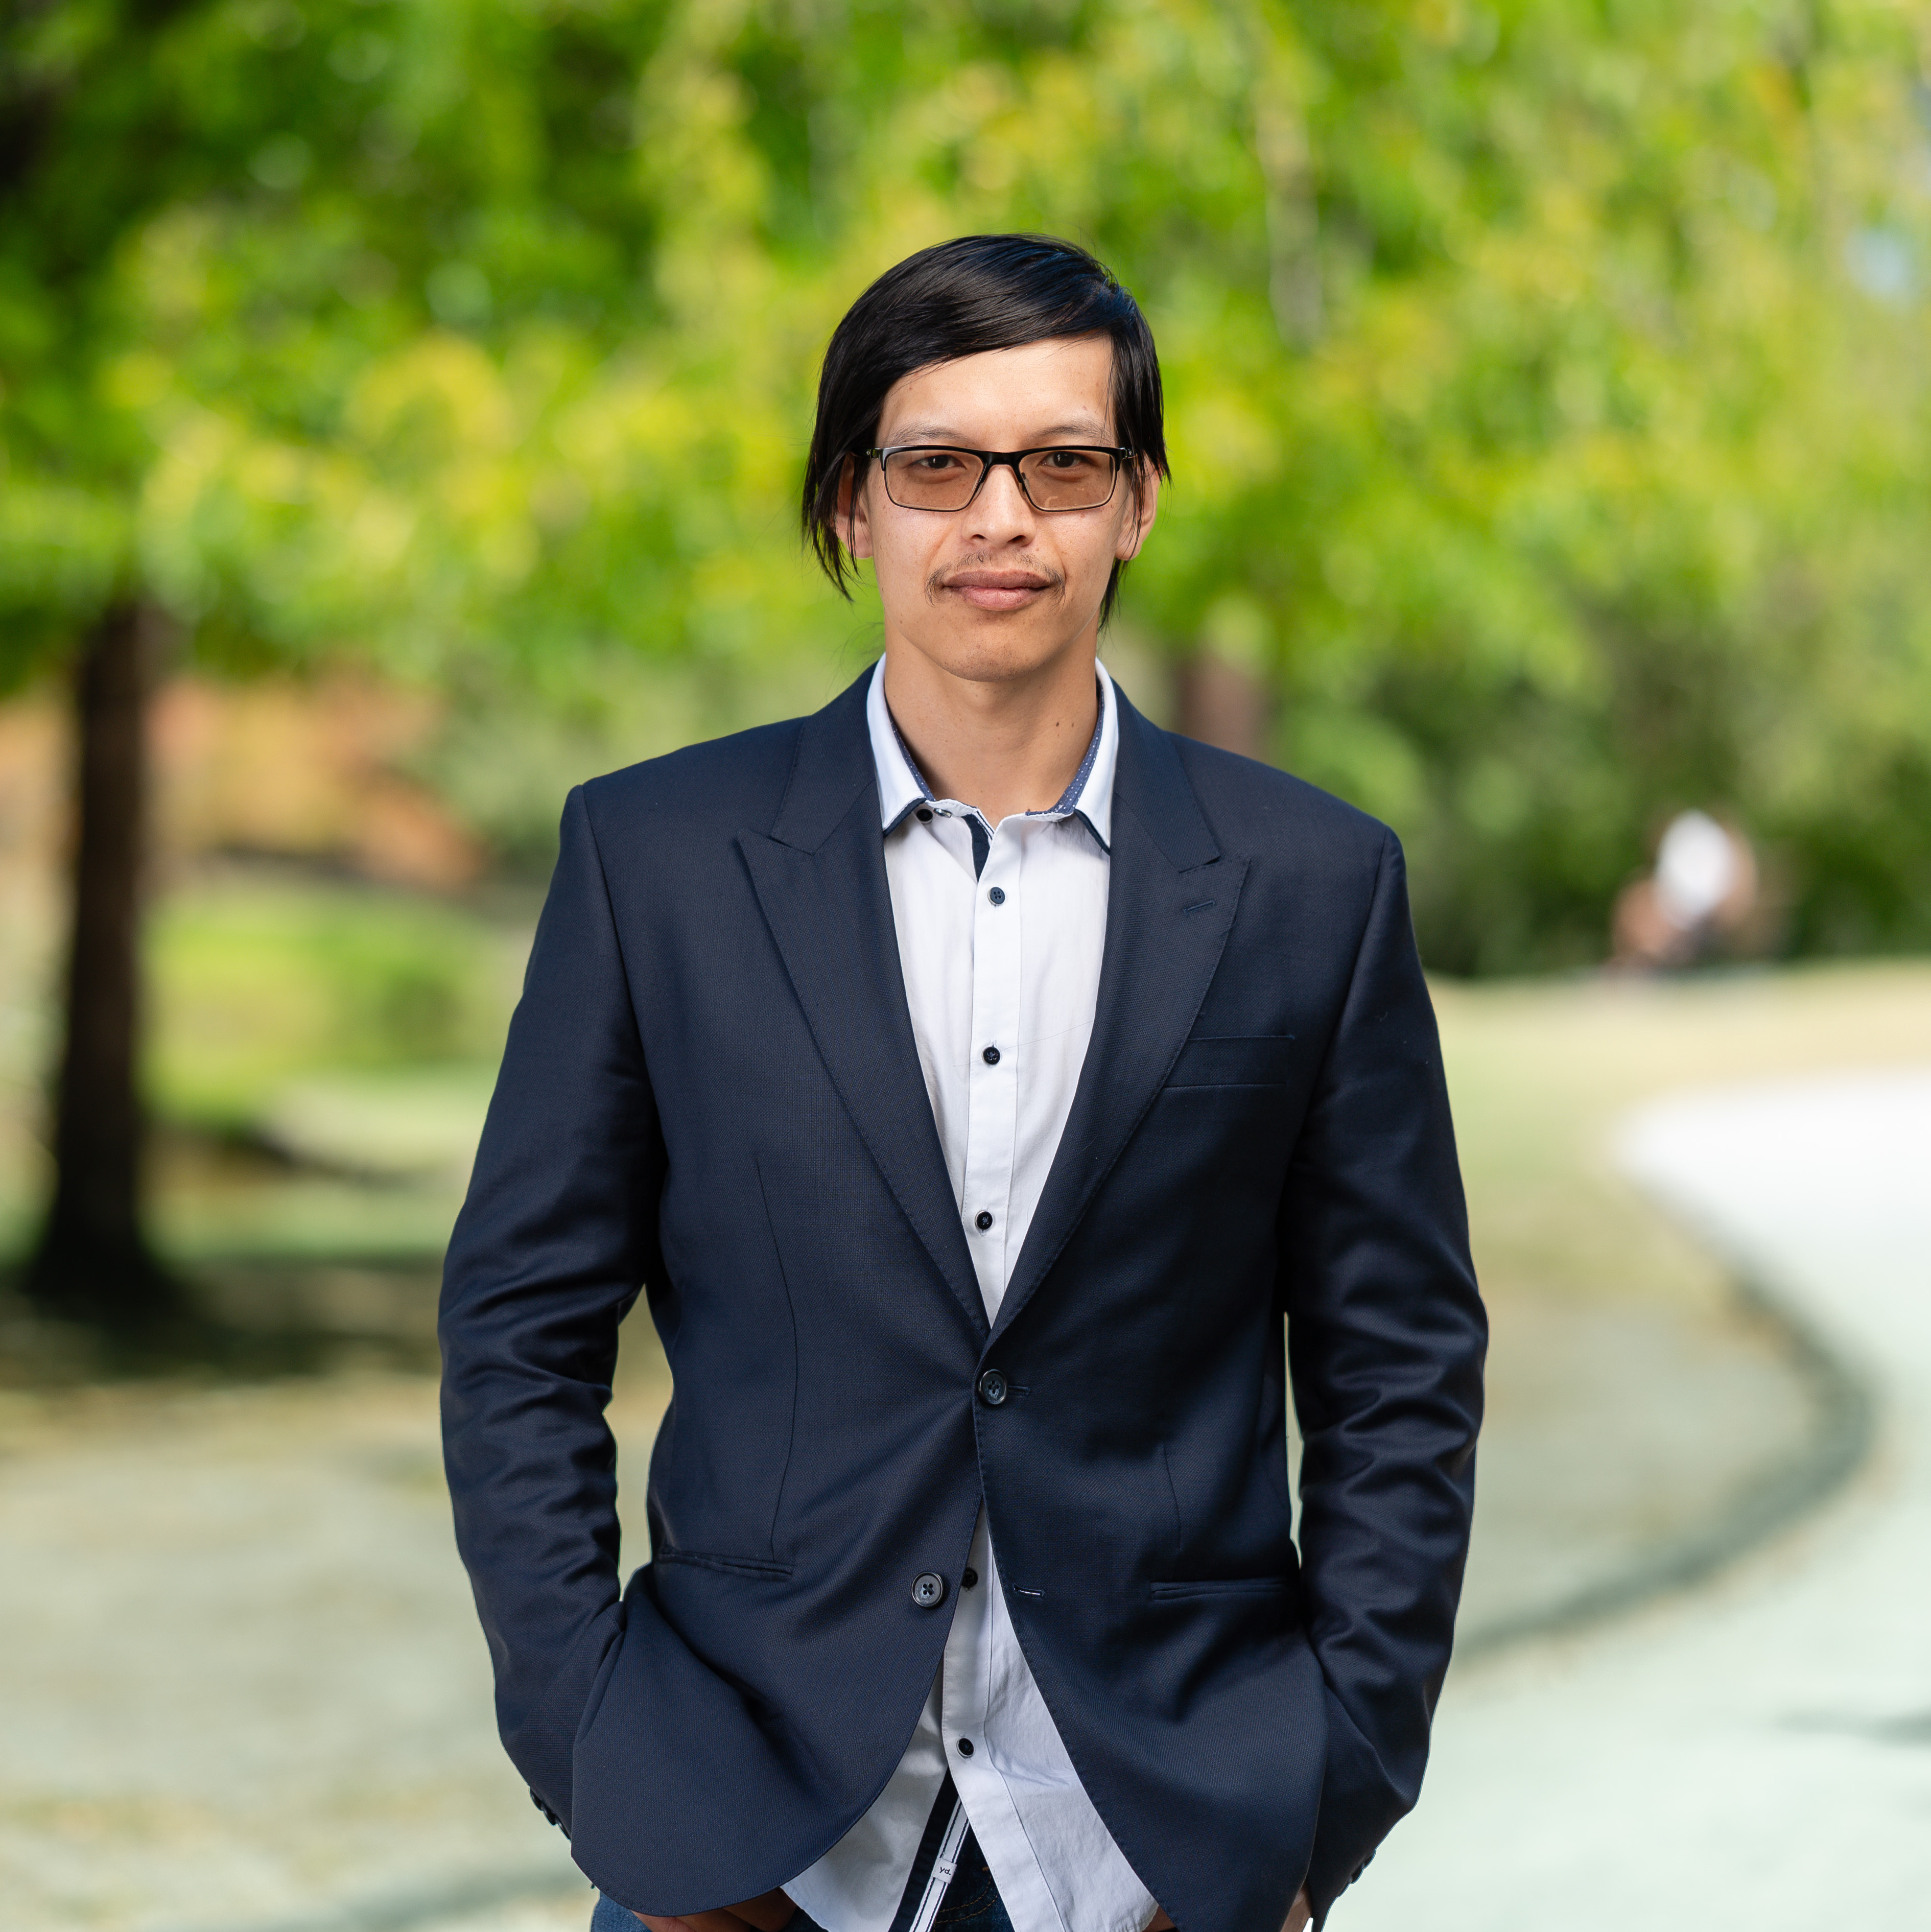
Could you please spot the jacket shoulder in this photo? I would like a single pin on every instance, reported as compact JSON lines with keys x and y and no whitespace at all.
{"x":723,"y":784}
{"x":1265,"y":812}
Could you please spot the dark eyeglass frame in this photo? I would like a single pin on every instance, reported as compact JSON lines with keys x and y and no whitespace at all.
{"x":1011,"y":458}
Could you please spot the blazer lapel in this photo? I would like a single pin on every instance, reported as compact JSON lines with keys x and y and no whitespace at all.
{"x":819,"y":877}
{"x":1169,"y":906}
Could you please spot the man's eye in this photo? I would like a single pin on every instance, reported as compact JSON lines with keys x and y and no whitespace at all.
{"x":1066,"y":461}
{"x":936,"y":463}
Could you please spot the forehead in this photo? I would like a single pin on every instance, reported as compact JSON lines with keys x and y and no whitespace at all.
{"x":1003,"y":399}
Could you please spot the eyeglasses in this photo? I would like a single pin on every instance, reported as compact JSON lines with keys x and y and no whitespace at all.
{"x":931,"y":476}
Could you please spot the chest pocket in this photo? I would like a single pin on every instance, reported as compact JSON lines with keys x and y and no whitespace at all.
{"x":1238,"y":1059}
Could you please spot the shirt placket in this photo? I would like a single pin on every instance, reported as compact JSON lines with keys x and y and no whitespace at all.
{"x":993,"y":1069}
{"x":967,"y":1721}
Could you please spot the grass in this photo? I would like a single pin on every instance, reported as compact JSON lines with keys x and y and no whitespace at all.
{"x":1539,"y":1071}
{"x":329,"y":1049}
{"x":353,"y":1027}
{"x":256,"y":985}
{"x":320,"y":1055}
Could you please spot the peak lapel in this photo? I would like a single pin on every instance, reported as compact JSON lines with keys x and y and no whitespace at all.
{"x":1169,"y":906}
{"x":820,"y":878}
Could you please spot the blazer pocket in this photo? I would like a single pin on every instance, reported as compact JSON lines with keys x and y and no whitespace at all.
{"x":1224,"y":1586}
{"x":1235,"y":1059}
{"x":733,"y":1566}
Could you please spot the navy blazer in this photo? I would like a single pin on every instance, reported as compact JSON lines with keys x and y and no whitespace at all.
{"x":711,"y":1094}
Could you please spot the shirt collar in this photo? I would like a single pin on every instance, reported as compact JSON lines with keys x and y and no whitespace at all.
{"x":902,"y":786}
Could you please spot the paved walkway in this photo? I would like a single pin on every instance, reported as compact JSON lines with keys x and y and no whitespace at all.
{"x":241,"y":1685}
{"x":1756,"y":1755}
{"x":243,"y":1689}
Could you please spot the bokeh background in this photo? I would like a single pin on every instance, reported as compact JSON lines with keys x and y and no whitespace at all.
{"x":401,"y":410}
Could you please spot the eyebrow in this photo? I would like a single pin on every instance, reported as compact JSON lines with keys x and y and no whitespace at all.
{"x":1085,"y":428}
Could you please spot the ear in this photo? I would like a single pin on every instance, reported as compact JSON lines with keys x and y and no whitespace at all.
{"x":1143,"y":505}
{"x":854,"y":520}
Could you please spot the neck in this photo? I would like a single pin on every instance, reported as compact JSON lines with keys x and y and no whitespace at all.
{"x":1003,"y":745}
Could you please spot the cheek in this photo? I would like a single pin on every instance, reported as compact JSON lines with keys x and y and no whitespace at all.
{"x":906,"y":548}
{"x":1093,"y":552}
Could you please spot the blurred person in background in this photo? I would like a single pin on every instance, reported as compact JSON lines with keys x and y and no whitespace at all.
{"x":970,"y":1076}
{"x":1701,"y":899}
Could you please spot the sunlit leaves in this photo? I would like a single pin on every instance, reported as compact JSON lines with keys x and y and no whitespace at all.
{"x":1544,"y":385}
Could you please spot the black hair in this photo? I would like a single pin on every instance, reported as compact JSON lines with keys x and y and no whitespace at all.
{"x":963,"y":298}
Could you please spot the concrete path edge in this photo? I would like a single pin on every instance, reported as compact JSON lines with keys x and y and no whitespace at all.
{"x":1774,"y":1499}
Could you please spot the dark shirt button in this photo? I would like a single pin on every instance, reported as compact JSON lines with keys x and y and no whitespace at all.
{"x":925,"y":815}
{"x":970,"y":1579}
{"x":965,"y":1747}
{"x":990,"y":1056}
{"x":929,"y":1591}
{"x":997,"y":897}
{"x":982,"y":1220}
{"x":992,"y":1388}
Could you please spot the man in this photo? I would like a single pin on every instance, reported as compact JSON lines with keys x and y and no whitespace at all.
{"x":971,"y":1076}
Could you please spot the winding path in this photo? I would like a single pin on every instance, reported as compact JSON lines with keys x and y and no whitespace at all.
{"x":1756,"y":1754}
{"x":211,"y":1603}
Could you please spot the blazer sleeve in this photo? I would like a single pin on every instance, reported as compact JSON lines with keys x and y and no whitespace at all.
{"x":1387,"y":1337}
{"x":554,"y":1239}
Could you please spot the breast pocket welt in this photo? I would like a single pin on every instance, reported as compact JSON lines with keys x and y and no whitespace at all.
{"x":1235,"y":1059}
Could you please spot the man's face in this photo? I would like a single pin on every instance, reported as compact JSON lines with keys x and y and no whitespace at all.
{"x":999,"y":590}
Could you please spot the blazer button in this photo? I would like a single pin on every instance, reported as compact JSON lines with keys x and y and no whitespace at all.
{"x":929,"y":1591}
{"x":992,"y":1388}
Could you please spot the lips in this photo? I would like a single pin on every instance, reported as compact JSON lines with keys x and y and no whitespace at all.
{"x":998,"y":590}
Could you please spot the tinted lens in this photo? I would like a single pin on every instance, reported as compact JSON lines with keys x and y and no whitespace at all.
{"x":931,"y":479}
{"x":1069,"y":479}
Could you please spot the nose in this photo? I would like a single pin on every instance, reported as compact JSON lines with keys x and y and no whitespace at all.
{"x":999,"y":512}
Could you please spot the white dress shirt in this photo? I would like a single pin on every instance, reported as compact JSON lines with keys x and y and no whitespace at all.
{"x":1001,"y":961}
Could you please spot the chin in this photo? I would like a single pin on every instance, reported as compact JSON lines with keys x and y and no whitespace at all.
{"x":997,"y":648}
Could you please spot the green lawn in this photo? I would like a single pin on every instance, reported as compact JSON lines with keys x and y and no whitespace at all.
{"x":320,"y":1056}
{"x":324,"y":1053}
{"x":349,"y":1032}
{"x":1539,"y":1071}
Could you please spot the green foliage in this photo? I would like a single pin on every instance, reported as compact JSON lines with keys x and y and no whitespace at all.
{"x":1547,"y":399}
{"x":255,"y":986}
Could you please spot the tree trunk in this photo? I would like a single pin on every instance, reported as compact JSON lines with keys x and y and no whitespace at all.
{"x":1221,"y":704}
{"x":93,"y":1263}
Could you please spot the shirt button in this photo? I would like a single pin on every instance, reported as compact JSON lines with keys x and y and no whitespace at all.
{"x":925,"y":815}
{"x":990,"y":1056}
{"x":970,"y":1579}
{"x":929,"y":1591}
{"x":997,"y":895}
{"x":982,"y":1220}
{"x":965,"y":1747}
{"x":992,"y":1389}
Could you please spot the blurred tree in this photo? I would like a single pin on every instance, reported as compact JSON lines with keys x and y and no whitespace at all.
{"x":244,"y":398}
{"x":1546,"y":389}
